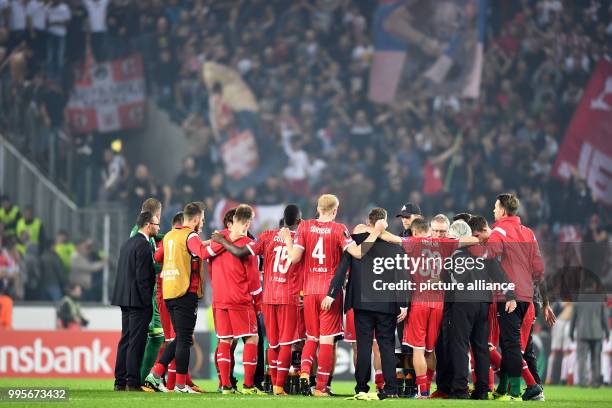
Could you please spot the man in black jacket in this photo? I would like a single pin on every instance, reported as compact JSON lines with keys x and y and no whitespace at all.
{"x":133,"y":293}
{"x":372,"y":314}
{"x":468,"y":323}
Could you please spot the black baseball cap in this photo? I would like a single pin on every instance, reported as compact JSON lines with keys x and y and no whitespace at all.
{"x":409,"y":209}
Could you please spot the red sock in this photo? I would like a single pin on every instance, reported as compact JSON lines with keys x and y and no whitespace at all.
{"x":527,"y":375}
{"x":217,"y":364}
{"x":379,"y":380}
{"x":326,"y":355}
{"x":171,"y":375}
{"x":282,"y":365}
{"x":249,"y":360}
{"x":161,"y":351}
{"x":159,"y":369}
{"x":180,"y":379}
{"x":273,"y":363}
{"x":308,"y":352}
{"x":421,"y":383}
{"x":224,"y":361}
{"x":188,"y":380}
{"x":430,"y":374}
{"x":495,"y":358}
{"x":472,"y":371}
{"x":491,"y":379}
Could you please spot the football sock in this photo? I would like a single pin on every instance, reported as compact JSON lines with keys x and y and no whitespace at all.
{"x":326,"y":353}
{"x":249,"y":360}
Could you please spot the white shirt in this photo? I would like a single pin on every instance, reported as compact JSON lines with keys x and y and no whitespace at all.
{"x":37,"y":11}
{"x":97,"y":14}
{"x":57,"y":17}
{"x":18,"y":20}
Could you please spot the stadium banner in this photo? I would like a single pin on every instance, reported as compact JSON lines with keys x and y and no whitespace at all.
{"x":266,"y":216}
{"x":426,"y":48}
{"x":586,"y":147}
{"x":108,"y":97}
{"x":249,"y":155}
{"x":66,"y":354}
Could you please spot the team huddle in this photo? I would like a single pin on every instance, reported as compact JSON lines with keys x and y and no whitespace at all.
{"x":301,"y":301}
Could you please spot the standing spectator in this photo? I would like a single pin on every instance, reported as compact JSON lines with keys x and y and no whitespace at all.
{"x":113,"y":176}
{"x":190,"y":180}
{"x":82,"y":268}
{"x":69,"y":314}
{"x":76,"y":36}
{"x":141,"y":187}
{"x":37,"y":24}
{"x":96,"y":9}
{"x":589,"y":328}
{"x":18,"y":23}
{"x":9,"y":215}
{"x":58,"y":17}
{"x":32,"y":225}
{"x":53,"y":277}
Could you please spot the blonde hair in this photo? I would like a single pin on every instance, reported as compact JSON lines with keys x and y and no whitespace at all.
{"x":327,"y":203}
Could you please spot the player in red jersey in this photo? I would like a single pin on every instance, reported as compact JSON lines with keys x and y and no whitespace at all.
{"x":427,"y":306}
{"x":321,"y":243}
{"x":281,"y":296}
{"x":236,"y":301}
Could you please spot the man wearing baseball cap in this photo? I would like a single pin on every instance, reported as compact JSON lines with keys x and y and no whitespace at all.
{"x":408,"y":213}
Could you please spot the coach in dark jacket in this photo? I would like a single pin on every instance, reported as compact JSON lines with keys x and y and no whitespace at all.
{"x":469,"y":314}
{"x":375,"y":312}
{"x":133,"y":293}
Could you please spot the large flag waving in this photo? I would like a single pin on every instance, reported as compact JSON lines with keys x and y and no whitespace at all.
{"x":587,"y":146}
{"x":108,"y":96}
{"x":427,"y":48}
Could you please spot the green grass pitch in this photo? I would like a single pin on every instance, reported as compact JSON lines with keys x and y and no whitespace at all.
{"x":96,"y":394}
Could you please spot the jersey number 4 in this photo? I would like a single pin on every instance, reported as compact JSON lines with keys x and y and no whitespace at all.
{"x":317,"y":252}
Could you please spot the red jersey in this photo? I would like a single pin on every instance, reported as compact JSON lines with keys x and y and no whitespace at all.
{"x":282,"y":280}
{"x":235,"y":282}
{"x":432,"y":253}
{"x":323,"y":244}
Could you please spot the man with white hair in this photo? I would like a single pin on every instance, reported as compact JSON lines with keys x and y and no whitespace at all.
{"x":469,"y":325}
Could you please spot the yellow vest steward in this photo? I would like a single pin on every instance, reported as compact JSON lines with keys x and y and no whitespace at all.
{"x":177,"y":266}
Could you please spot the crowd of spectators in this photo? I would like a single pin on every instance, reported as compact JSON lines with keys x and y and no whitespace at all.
{"x":307,"y":62}
{"x":36,"y":266}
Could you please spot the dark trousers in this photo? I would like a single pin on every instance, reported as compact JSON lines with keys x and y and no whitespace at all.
{"x":130,"y":350}
{"x":510,"y":337}
{"x":469,"y":326}
{"x":444,"y":372}
{"x":531,"y":359}
{"x":183,"y":312}
{"x":98,"y":46}
{"x":366,"y":324}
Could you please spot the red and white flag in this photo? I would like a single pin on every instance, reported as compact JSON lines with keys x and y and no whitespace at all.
{"x":108,"y":97}
{"x":587,"y":145}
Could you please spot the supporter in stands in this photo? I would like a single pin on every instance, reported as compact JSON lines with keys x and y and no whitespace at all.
{"x":53,"y":276}
{"x":82,"y":269}
{"x":11,"y":279}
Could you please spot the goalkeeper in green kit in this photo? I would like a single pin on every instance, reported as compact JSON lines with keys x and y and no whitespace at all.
{"x":155,"y":339}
